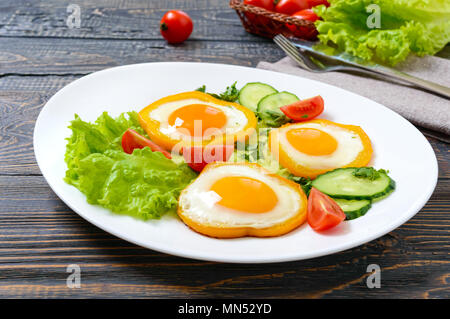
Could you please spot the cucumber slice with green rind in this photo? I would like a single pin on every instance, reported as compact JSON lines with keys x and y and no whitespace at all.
{"x":341,"y":183}
{"x":354,"y":208}
{"x":252,"y":93}
{"x":269,"y":108}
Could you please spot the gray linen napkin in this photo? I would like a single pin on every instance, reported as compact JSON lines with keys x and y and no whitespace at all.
{"x":419,"y":107}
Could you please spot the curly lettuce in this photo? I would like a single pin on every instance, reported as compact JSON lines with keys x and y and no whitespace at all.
{"x":143,"y":184}
{"x":421,"y":27}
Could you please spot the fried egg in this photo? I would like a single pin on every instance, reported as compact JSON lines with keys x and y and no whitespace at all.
{"x":312,"y":148}
{"x":196,"y":118}
{"x":230,"y":200}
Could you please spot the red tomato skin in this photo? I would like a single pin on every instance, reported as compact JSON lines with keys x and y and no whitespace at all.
{"x":304,"y":110}
{"x":291,"y":6}
{"x":313,"y":3}
{"x":266,"y":4}
{"x":198,"y":157}
{"x":306,"y":14}
{"x":176,"y":26}
{"x":323,"y":212}
{"x":304,"y":32}
{"x":132,"y":140}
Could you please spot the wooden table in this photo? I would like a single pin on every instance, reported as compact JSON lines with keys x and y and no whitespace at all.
{"x":40,"y":236}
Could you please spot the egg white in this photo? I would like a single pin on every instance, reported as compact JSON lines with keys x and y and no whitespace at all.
{"x":236,"y":119}
{"x":199,"y":203}
{"x":349,"y":145}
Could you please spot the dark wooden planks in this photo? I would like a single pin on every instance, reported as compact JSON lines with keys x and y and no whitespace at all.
{"x":18,"y":115}
{"x":112,"y":268}
{"x":38,"y":56}
{"x":136,"y":19}
{"x":125,"y":273}
{"x":46,"y":85}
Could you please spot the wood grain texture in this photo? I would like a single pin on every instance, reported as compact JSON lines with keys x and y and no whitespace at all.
{"x":124,"y":19}
{"x":38,"y":56}
{"x":40,"y":236}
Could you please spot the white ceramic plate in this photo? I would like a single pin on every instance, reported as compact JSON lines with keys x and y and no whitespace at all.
{"x":398,"y":146}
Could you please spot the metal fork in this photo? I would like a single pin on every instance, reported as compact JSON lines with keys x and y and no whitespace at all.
{"x":320,"y":63}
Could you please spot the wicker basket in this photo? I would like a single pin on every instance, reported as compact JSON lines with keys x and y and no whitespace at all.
{"x":268,"y":24}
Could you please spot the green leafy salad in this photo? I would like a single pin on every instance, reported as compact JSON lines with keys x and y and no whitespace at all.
{"x":421,"y":27}
{"x":143,"y":184}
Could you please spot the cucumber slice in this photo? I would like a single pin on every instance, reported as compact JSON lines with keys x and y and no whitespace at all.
{"x":269,"y":108}
{"x":252,"y":93}
{"x":354,"y":208}
{"x":341,"y":183}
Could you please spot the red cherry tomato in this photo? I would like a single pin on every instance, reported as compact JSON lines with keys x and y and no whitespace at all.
{"x":290,"y":6}
{"x":304,"y":110}
{"x":323,"y":212}
{"x":313,"y":3}
{"x":306,"y":14}
{"x":176,"y":26}
{"x":266,"y":4}
{"x":303,"y":31}
{"x":132,"y":139}
{"x":198,"y":157}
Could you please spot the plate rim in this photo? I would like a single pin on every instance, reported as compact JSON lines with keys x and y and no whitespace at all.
{"x":193,"y":254}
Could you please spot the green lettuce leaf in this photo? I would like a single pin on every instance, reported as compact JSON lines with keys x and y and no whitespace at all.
{"x":144,"y":184}
{"x":407,"y":26}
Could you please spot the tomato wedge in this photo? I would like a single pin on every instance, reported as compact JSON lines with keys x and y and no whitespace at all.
{"x":198,"y":157}
{"x":132,"y":139}
{"x":304,"y":110}
{"x":323,"y":212}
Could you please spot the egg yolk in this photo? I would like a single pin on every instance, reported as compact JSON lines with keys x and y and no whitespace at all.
{"x":209,"y":116}
{"x":245,"y":194}
{"x":312,"y":141}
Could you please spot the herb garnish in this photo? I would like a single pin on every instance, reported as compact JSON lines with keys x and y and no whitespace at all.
{"x":231,"y":93}
{"x":304,"y":182}
{"x":369,"y":173}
